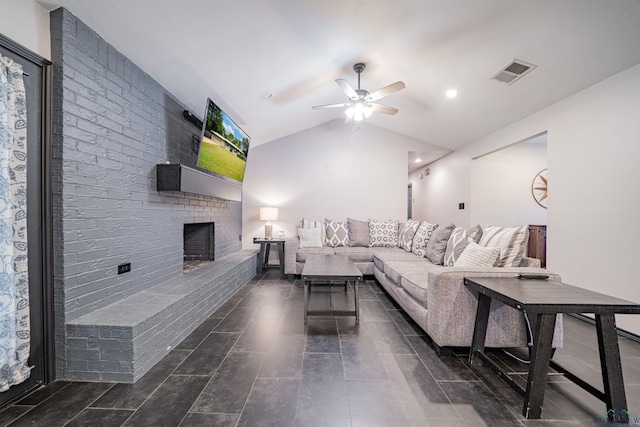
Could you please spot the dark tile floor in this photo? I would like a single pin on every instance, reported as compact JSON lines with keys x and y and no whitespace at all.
{"x":253,"y":363}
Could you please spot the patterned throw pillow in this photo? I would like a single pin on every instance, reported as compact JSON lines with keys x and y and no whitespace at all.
{"x":421,"y":238}
{"x":337,"y":233}
{"x":437,"y":244}
{"x":458,"y":241}
{"x":358,"y":232}
{"x":310,"y":237}
{"x":305,"y":223}
{"x":475,"y":256}
{"x":405,"y":237}
{"x":511,"y":241}
{"x":383,"y":233}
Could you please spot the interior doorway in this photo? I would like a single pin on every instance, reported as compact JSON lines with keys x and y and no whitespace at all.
{"x":36,"y":79}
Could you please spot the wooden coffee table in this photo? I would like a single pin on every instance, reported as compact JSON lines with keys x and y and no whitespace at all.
{"x":330,"y":268}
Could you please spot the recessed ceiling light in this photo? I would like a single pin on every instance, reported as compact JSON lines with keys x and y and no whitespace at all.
{"x":418,"y":160}
{"x":451,"y":93}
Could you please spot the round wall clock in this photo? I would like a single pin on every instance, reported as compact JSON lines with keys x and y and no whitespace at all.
{"x":539,"y":188}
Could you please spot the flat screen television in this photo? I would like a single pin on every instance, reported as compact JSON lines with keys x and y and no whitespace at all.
{"x":223,"y":145}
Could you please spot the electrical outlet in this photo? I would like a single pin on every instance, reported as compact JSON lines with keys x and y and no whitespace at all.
{"x":124,"y":268}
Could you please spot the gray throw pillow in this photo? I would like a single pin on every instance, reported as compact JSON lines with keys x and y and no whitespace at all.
{"x":437,"y":245}
{"x":336,"y":233}
{"x":358,"y":232}
{"x":458,"y":241}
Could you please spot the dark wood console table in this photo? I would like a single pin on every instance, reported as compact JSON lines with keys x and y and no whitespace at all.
{"x":544,"y":299}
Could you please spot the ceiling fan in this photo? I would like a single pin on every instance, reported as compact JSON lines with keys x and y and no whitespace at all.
{"x":361,"y":103}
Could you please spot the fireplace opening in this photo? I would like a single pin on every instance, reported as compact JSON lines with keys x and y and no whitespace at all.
{"x":199,"y":246}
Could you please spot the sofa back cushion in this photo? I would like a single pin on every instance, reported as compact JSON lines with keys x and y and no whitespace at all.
{"x":421,"y":238}
{"x":437,"y":245}
{"x":383,"y":233}
{"x":337,"y":233}
{"x":458,"y":241}
{"x":358,"y":232}
{"x":512,"y":242}
{"x":405,"y":236}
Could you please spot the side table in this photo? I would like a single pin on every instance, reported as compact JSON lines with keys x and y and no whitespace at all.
{"x":265,"y":249}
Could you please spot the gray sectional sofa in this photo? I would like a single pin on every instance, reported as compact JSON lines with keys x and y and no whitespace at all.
{"x":433,"y":295}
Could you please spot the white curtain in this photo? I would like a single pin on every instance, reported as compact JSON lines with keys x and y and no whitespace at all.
{"x":14,"y":286}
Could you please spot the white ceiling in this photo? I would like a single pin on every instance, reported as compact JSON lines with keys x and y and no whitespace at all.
{"x":233,"y":51}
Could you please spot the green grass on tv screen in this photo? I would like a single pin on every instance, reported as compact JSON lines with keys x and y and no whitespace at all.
{"x":217,"y":159}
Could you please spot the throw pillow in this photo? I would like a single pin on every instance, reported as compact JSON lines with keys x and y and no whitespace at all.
{"x":383,"y":233}
{"x":336,"y":233}
{"x":405,"y":237}
{"x":305,"y":223}
{"x":310,"y":237}
{"x":438,"y":244}
{"x":512,"y":242}
{"x":358,"y":232}
{"x":458,"y":241}
{"x":421,"y":238}
{"x":475,"y":256}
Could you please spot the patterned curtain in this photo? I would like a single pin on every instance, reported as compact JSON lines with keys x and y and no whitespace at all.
{"x":14,"y":285}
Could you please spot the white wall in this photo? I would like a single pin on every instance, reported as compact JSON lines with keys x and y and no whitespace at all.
{"x":593,"y":149}
{"x":329,"y":171}
{"x":26,"y":23}
{"x":501,"y":185}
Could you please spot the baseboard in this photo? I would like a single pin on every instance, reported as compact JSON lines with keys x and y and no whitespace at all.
{"x":621,"y":332}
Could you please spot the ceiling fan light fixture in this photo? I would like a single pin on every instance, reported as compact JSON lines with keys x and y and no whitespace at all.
{"x":350,"y":112}
{"x":367,"y":111}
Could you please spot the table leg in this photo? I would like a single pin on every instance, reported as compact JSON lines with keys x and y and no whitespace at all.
{"x":266,"y":255}
{"x":480,"y":328}
{"x":261,"y":258}
{"x":615,"y":397}
{"x":281,"y":256}
{"x":355,"y":295}
{"x":539,"y":366}
{"x":307,"y":298}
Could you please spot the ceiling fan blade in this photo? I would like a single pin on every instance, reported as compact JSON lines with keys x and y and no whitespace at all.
{"x":347,"y":89}
{"x":381,"y":108}
{"x":386,"y":91}
{"x":317,"y":107}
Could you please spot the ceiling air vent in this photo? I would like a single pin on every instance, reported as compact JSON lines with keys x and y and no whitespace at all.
{"x":513,"y":71}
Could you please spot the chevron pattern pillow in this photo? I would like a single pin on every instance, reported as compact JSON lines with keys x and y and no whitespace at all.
{"x":512,"y":242}
{"x":337,"y":233}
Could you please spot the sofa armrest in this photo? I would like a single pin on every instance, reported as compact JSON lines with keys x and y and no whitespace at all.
{"x":530,"y":262}
{"x":451,"y":308}
{"x":291,"y":245}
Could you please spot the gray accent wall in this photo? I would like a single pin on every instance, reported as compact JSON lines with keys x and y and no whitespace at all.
{"x":112,"y":123}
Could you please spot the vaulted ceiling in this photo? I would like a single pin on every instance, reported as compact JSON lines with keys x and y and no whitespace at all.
{"x":238,"y":52}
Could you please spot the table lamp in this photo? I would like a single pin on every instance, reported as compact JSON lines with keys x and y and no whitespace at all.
{"x":268,"y":214}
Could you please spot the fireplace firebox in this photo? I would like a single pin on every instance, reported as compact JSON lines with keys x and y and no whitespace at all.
{"x":199,"y":244}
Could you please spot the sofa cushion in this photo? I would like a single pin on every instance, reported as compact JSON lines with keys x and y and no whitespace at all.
{"x":310,"y":237}
{"x":414,"y":282}
{"x":358,"y":232}
{"x":421,"y":238}
{"x":405,"y":236}
{"x":437,"y":244}
{"x":384,"y":255}
{"x":458,"y":241}
{"x":336,"y":233}
{"x":356,"y":254}
{"x":301,"y":255}
{"x":475,"y":255}
{"x":511,"y":241}
{"x":383,"y":233}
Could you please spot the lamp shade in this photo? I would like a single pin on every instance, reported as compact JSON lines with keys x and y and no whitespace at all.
{"x":268,"y":214}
